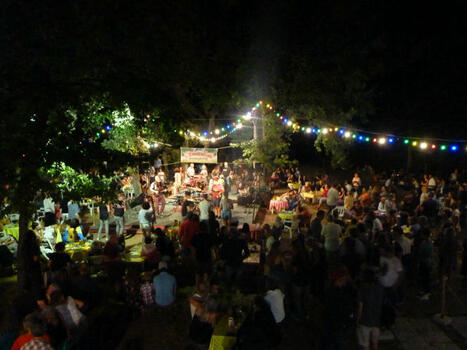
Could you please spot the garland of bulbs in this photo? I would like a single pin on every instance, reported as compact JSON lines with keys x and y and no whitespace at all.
{"x":356,"y":135}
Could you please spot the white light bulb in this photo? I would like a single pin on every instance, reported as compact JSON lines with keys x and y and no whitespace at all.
{"x":217,"y":131}
{"x":347,"y":134}
{"x":423,"y":145}
{"x":325,"y":130}
{"x":213,"y":139}
{"x":308,"y":130}
{"x":239,"y":125}
{"x":382,"y":140}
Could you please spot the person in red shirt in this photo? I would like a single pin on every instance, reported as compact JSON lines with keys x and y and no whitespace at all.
{"x":188,"y":228}
{"x":35,"y":327}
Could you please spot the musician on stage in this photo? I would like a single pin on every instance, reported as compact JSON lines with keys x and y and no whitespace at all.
{"x":157,"y":190}
{"x":204,"y":173}
{"x":177,"y":181}
{"x":190,"y":171}
{"x":216,"y":186}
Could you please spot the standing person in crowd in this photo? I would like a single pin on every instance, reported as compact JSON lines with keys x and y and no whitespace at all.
{"x":187,"y":205}
{"x":203,"y":242}
{"x":233,"y":251}
{"x":119,"y":213}
{"x":145,"y":219}
{"x":103,"y":211}
{"x":316,"y":227}
{"x":226,"y":209}
{"x":165,"y":286}
{"x":204,"y":208}
{"x":426,"y":263}
{"x":356,"y":181}
{"x":157,"y":163}
{"x":188,"y":229}
{"x":73,"y":210}
{"x":391,"y":272}
{"x":332,"y":197}
{"x":331,"y":233}
{"x":430,"y":208}
{"x":369,"y":311}
{"x":339,"y":306}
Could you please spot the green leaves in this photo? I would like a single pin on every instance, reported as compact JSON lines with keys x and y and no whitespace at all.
{"x":76,"y":185}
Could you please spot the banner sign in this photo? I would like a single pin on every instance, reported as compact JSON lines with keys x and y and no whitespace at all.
{"x":198,"y":155}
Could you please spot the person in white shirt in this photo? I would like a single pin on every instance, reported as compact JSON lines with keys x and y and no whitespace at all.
{"x":331,"y":233}
{"x":382,"y":206}
{"x":348,"y":187}
{"x":204,"y":208}
{"x":356,"y":180}
{"x":332,"y":197}
{"x":49,"y":205}
{"x":160,"y":178}
{"x":390,"y":268}
{"x":275,"y":299}
{"x":403,"y":241}
{"x":190,"y":171}
{"x":431,"y":183}
{"x":144,"y":220}
{"x":177,"y":181}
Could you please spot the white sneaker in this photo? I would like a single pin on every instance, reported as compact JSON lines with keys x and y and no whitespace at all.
{"x":425,"y":297}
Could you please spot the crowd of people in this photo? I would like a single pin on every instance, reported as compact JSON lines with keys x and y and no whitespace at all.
{"x":356,"y":248}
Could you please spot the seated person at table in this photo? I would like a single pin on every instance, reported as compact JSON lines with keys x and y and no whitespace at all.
{"x":9,"y":242}
{"x":59,"y":260}
{"x":293,"y":199}
{"x":165,"y":286}
{"x":72,"y":231}
{"x":112,"y":249}
{"x":324,"y":195}
{"x":150,"y":254}
{"x":382,"y":206}
{"x":259,"y":330}
{"x":199,"y":297}
{"x":35,"y":337}
{"x":203,"y":323}
{"x":306,"y":189}
{"x":164,"y":245}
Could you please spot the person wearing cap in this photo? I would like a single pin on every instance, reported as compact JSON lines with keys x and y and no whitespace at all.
{"x":165,"y":286}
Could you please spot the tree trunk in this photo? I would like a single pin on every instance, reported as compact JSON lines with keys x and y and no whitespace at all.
{"x":24,"y":217}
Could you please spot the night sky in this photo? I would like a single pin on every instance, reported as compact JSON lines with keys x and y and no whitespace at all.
{"x":370,"y":64}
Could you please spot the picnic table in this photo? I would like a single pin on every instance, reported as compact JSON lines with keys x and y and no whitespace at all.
{"x":222,"y":338}
{"x":278,"y":205}
{"x":78,"y":250}
{"x":12,"y":230}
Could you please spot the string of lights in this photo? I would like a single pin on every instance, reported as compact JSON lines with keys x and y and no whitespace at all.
{"x":346,"y":133}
